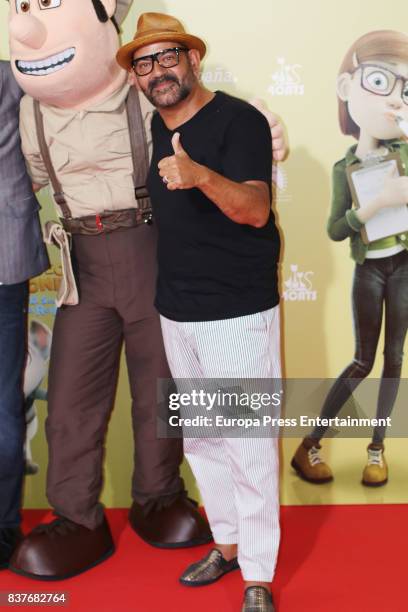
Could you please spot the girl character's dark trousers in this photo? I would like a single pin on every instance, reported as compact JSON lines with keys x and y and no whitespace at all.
{"x":380,"y":288}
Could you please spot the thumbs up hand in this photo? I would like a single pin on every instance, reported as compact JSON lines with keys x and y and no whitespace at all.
{"x":179,"y":171}
{"x":176,"y":144}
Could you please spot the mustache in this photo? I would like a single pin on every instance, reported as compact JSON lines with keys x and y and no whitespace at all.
{"x":163,"y":79}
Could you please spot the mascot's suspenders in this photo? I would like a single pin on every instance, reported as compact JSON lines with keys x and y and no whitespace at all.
{"x":140,"y":152}
{"x":57,"y":233}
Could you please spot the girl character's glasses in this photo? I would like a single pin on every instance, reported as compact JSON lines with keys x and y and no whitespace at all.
{"x":381,"y":81}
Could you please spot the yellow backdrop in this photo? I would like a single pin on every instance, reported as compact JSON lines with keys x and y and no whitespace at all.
{"x":288,"y":54}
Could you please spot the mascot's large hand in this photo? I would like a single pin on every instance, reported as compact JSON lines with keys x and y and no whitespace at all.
{"x":279,"y":143}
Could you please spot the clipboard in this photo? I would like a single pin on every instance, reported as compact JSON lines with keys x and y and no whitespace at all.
{"x":365,"y":180}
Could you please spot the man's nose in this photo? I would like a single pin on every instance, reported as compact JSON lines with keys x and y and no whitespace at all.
{"x":28,"y":30}
{"x":157,"y":69}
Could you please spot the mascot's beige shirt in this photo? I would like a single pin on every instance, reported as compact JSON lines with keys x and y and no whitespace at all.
{"x":90,"y":151}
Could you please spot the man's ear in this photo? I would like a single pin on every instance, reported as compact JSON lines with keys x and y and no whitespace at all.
{"x":343,"y":84}
{"x":110,"y":7}
{"x":195,"y":61}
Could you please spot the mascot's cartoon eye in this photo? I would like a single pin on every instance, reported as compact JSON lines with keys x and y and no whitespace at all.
{"x":22,"y":6}
{"x":49,"y":4}
{"x":378,"y":81}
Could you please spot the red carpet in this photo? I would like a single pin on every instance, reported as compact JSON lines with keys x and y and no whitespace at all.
{"x":332,"y":559}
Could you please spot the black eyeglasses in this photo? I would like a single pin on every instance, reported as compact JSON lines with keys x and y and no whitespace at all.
{"x":381,"y":81}
{"x":168,"y":58}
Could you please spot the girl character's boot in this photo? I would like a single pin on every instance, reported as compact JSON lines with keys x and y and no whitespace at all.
{"x":375,"y":473}
{"x":308,"y":463}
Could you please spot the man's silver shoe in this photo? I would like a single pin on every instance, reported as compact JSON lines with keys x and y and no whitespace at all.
{"x":210,"y":569}
{"x":258,"y":599}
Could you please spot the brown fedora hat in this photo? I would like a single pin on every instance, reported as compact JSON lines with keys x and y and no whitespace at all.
{"x":157,"y":27}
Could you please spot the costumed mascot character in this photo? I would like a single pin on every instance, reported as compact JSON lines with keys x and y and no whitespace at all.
{"x":63,"y":55}
{"x":85,"y":132}
{"x":372,"y":89}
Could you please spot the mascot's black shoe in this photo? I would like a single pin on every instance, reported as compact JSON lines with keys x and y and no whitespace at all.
{"x":10,"y":537}
{"x":61,"y":549}
{"x":175,"y":525}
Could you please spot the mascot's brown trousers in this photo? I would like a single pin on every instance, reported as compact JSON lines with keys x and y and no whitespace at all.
{"x":116,"y":275}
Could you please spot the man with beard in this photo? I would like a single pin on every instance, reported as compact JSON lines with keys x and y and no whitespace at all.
{"x":22,"y":255}
{"x":218,"y":251}
{"x":63,"y":56}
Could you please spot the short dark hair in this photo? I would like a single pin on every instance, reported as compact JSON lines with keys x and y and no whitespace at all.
{"x":102,"y":14}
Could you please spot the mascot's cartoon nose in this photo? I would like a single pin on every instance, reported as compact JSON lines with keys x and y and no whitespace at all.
{"x":28,"y":30}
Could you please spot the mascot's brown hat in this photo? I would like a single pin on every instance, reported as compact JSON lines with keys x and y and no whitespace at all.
{"x":157,"y":27}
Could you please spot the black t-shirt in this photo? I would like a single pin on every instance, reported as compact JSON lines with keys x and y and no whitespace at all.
{"x":210,"y":267}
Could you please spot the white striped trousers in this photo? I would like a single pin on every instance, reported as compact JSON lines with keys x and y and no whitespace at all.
{"x":238,"y":477}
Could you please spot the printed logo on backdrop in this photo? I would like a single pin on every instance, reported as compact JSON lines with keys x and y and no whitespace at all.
{"x":299,"y":286}
{"x":218,"y":75}
{"x":42,"y":292}
{"x":286,"y":81}
{"x":280,"y":181}
{"x":38,"y":354}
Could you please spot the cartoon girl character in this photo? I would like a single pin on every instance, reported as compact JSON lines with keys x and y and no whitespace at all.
{"x":372,"y":90}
